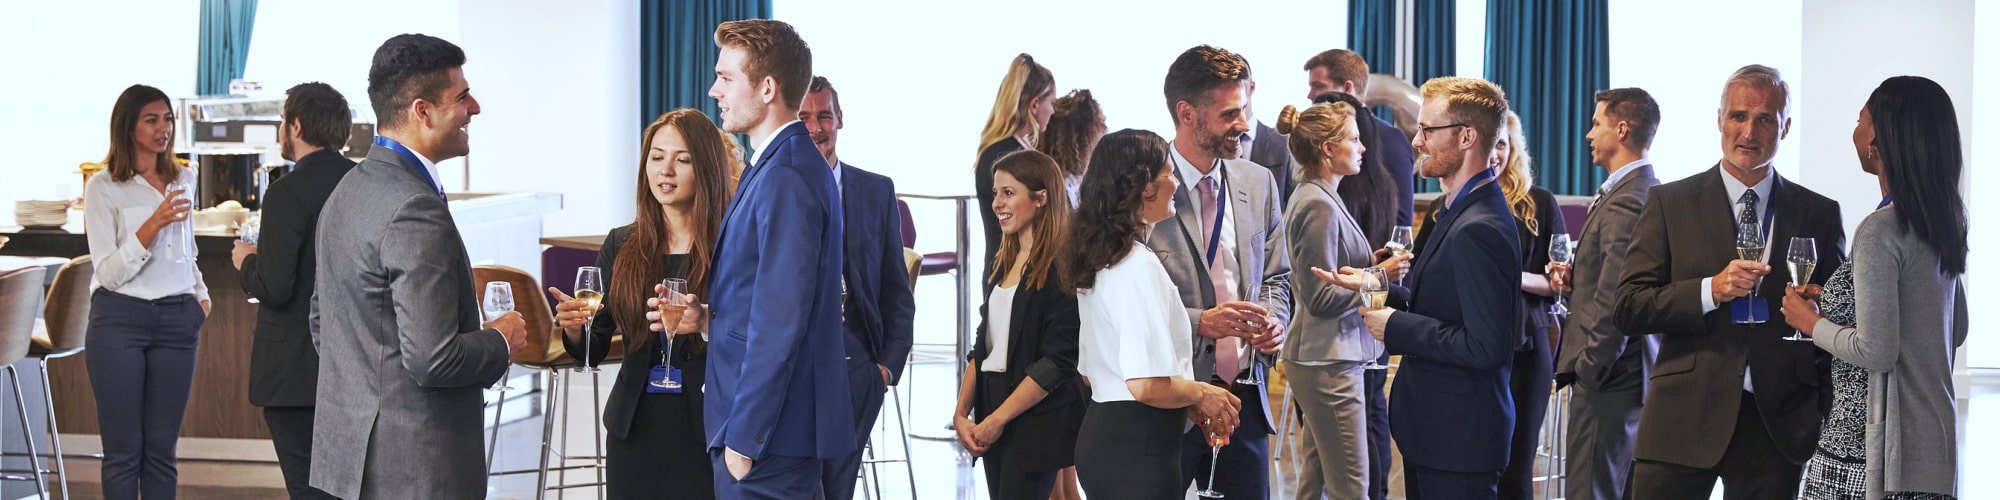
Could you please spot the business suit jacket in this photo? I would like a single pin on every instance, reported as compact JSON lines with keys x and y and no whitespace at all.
{"x":1260,"y":258}
{"x":881,"y":306}
{"x":777,"y":368}
{"x":283,"y":366}
{"x":1593,"y":349}
{"x":1686,"y":234}
{"x":1457,"y":329}
{"x":1269,"y":149}
{"x":1042,"y":346}
{"x":403,"y":360}
{"x":1326,"y":326}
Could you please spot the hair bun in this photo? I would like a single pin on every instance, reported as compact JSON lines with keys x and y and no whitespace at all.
{"x":1288,"y":119}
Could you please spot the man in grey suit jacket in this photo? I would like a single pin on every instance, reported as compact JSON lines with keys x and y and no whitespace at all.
{"x":1227,"y":258}
{"x":403,"y":355}
{"x":1607,"y":368}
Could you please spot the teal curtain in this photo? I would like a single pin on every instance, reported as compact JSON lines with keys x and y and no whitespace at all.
{"x":677,"y":51}
{"x":1434,"y":41}
{"x":1371,"y":32}
{"x":224,"y":44}
{"x":1551,"y":56}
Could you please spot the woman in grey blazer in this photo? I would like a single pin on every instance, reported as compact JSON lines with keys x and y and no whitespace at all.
{"x":1907,"y":309}
{"x":1329,"y":347}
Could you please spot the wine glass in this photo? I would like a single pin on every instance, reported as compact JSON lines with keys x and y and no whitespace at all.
{"x":248,"y":231}
{"x":672,"y":304}
{"x":1750,"y":246}
{"x":590,"y":290}
{"x":1259,"y":362}
{"x":1560,"y":254}
{"x":1217,"y":438}
{"x":180,"y":236}
{"x":1800,"y":258}
{"x":1401,"y":241}
{"x":1375,"y":294}
{"x":499,"y":301}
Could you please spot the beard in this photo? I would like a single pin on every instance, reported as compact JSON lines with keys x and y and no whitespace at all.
{"x":1439,"y":164}
{"x":1219,"y":144}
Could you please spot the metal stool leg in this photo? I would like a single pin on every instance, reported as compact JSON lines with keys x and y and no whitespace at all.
{"x":902,"y":433}
{"x":27,"y":435}
{"x":493,"y":438}
{"x":597,"y":429}
{"x":55,"y":441}
{"x":549,"y":394}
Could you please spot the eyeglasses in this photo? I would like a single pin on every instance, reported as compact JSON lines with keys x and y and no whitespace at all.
{"x":1428,"y":130}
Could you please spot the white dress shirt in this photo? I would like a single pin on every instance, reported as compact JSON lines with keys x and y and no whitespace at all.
{"x":112,"y":214}
{"x":1133,"y":327}
{"x":758,"y":152}
{"x":999,"y":321}
{"x":1225,"y":247}
{"x":1736,"y":188}
{"x":430,"y":167}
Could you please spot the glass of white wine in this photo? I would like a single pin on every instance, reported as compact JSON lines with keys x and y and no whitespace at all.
{"x":590,"y":290}
{"x":499,"y":300}
{"x":672,"y":304}
{"x":1401,"y":241}
{"x":1801,"y":258}
{"x":1375,"y":294}
{"x":1561,"y":255}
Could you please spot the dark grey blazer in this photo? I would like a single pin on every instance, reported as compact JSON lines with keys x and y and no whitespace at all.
{"x":1268,"y":149}
{"x":403,"y":359}
{"x":1593,"y":349}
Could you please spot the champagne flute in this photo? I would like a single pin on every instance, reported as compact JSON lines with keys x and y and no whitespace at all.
{"x":1560,"y":254}
{"x":1217,"y":438}
{"x":1401,"y":242}
{"x":180,"y":236}
{"x":1750,"y":246}
{"x":1800,"y":258}
{"x":499,"y":300}
{"x":672,"y":304}
{"x":247,"y":233}
{"x":1375,"y":294}
{"x":1259,"y":363}
{"x":590,"y":290}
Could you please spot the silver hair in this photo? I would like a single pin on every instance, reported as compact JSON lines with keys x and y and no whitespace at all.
{"x":1758,"y":74}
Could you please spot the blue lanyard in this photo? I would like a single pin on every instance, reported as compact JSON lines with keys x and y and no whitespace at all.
{"x":1473,"y":183}
{"x":415,"y":163}
{"x":1884,"y":203}
{"x":1221,"y":211}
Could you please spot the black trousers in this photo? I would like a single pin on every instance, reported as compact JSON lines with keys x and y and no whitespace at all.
{"x":1534,"y":375}
{"x":1752,"y":467}
{"x":141,"y":366}
{"x":1127,"y":450}
{"x":865,"y":386}
{"x":1008,"y":476}
{"x":1378,"y":430}
{"x":292,"y":437}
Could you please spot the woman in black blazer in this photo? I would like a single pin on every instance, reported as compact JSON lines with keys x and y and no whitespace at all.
{"x":1020,"y":403}
{"x":656,"y":447}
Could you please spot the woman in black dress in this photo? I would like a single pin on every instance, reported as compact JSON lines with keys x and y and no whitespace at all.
{"x":1021,"y":109}
{"x":656,"y":447}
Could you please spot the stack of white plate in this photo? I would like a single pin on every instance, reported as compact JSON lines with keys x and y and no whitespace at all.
{"x":34,"y":213}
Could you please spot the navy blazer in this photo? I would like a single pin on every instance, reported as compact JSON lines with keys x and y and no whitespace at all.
{"x":1452,"y":408}
{"x":878,"y":280}
{"x":777,"y":369}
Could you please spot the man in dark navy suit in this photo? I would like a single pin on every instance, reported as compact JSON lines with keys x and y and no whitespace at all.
{"x":877,"y":306}
{"x":778,"y":403}
{"x":1452,"y":411}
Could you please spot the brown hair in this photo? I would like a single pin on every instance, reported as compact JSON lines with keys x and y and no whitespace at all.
{"x":1476,"y":103}
{"x":639,"y":258}
{"x":1308,"y":130}
{"x":1199,"y":70}
{"x":819,"y":84}
{"x":1517,"y":176}
{"x":1344,"y":66}
{"x":1025,"y":81}
{"x":1107,"y":221}
{"x":771,"y":49}
{"x":1073,"y":130}
{"x":1637,"y":109}
{"x":1039,"y":173}
{"x":320,"y":114}
{"x":123,"y":157}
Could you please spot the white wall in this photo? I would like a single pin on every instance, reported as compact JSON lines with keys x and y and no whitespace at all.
{"x":1682,"y":52}
{"x":1983,"y":350}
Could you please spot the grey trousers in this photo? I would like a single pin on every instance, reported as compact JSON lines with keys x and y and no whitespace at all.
{"x":1334,"y":441}
{"x":1602,"y":425}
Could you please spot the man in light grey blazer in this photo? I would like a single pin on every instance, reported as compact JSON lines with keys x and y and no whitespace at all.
{"x":403,"y":355}
{"x":1225,"y":251}
{"x":1607,"y":368}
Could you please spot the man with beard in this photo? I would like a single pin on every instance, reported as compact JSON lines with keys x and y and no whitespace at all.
{"x":1452,"y":413}
{"x":877,"y":305}
{"x":1226,"y":254}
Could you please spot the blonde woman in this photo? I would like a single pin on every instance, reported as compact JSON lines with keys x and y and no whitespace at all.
{"x":1021,"y":109}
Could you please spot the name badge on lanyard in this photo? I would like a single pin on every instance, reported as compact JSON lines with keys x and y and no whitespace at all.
{"x":1753,"y":309}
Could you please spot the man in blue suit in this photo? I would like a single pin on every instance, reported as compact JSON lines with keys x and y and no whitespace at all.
{"x":877,"y":306}
{"x":1452,"y":413}
{"x":778,"y":400}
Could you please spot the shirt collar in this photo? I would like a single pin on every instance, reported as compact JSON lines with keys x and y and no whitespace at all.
{"x":758,"y":153}
{"x":1612,"y":180}
{"x":1191,"y":175}
{"x":430,"y":167}
{"x":838,"y":168}
{"x":1736,"y":188}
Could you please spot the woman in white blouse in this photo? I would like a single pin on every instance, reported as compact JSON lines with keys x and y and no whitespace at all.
{"x":1136,"y":348}
{"x":150,"y":301}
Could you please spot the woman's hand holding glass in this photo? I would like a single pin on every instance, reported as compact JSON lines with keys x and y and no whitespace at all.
{"x":693,"y":320}
{"x":572,"y":313}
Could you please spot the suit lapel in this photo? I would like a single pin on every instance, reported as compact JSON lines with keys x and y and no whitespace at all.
{"x":1247,"y":221}
{"x":1715,"y":217}
{"x":1190,"y":224}
{"x":764,"y":158}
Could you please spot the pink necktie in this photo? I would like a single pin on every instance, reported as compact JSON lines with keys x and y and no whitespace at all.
{"x":1226,"y":362}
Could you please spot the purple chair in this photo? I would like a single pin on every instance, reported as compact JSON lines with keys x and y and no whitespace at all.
{"x":932,"y":263}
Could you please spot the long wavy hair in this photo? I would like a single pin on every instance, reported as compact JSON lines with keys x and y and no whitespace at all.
{"x":641,"y":256}
{"x":1916,"y":132}
{"x":123,"y":157}
{"x":1107,"y":220}
{"x":1039,"y":174}
{"x":1073,"y":130}
{"x":1517,"y":176}
{"x":1013,"y":104}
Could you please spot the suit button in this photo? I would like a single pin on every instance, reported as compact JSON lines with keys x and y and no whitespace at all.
{"x":1210,"y":349}
{"x":760,"y":440}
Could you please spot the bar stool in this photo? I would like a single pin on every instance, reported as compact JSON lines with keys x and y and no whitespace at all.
{"x":955,"y":263}
{"x":20,"y":290}
{"x":872,"y":475}
{"x":66,"y":315}
{"x":545,"y":352}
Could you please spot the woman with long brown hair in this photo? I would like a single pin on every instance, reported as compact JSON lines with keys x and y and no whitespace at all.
{"x":684,"y":184}
{"x":150,"y":301}
{"x":1021,"y":109}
